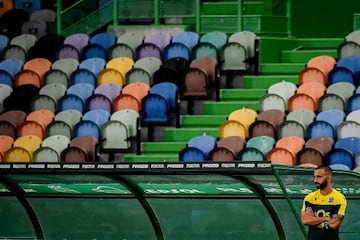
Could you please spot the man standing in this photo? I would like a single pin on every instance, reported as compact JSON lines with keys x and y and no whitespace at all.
{"x":324,"y":209}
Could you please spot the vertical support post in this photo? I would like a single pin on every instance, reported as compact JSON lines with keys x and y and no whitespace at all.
{"x":58,"y":17}
{"x":239,"y":15}
{"x":157,"y":12}
{"x":198,"y":16}
{"x":289,"y":17}
{"x":115,"y":13}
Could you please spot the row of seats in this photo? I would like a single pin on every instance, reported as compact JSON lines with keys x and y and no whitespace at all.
{"x":297,"y":124}
{"x":236,"y":52}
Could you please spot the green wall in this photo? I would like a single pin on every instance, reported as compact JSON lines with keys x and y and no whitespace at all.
{"x":323,"y":18}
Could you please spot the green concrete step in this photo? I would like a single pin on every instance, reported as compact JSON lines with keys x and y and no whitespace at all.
{"x":162,"y":147}
{"x":303,"y":56}
{"x":281,"y":68}
{"x":152,"y":158}
{"x":230,"y":7}
{"x":265,"y":81}
{"x":185,"y":134}
{"x":202,"y":120}
{"x":319,"y":43}
{"x":242,"y":94}
{"x":225,"y":108}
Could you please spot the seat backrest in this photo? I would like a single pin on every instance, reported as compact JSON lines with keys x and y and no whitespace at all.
{"x":291,"y":128}
{"x":341,"y":74}
{"x":323,"y":62}
{"x":195,"y":83}
{"x":262,"y":128}
{"x":331,"y":101}
{"x":78,"y":40}
{"x":68,"y":51}
{"x":285,"y":89}
{"x":93,"y":50}
{"x":148,"y":50}
{"x":262,"y":143}
{"x":71,"y":101}
{"x":191,"y":154}
{"x":311,"y":75}
{"x":274,"y":116}
{"x":340,"y":156}
{"x":67,"y":65}
{"x":233,"y":57}
{"x":46,"y":154}
{"x":351,"y":63}
{"x":244,"y":115}
{"x":59,"y":127}
{"x":138,"y":75}
{"x":70,"y":116}
{"x":188,"y":38}
{"x":15,"y":117}
{"x":332,"y":116}
{"x":310,"y":156}
{"x":73,"y":154}
{"x":126,"y":101}
{"x":53,"y":90}
{"x":82,"y":90}
{"x":56,"y":142}
{"x":6,"y":143}
{"x":110,"y":75}
{"x":94,"y":65}
{"x":31,"y":128}
{"x":176,"y":49}
{"x":104,"y":39}
{"x":321,"y":144}
{"x":28,"y":142}
{"x":233,"y":143}
{"x":99,"y":101}
{"x":303,"y":116}
{"x":83,"y":75}
{"x":25,"y":40}
{"x":353,"y":103}
{"x":343,"y":89}
{"x":204,"y":49}
{"x":250,"y":154}
{"x":221,"y":154}
{"x":56,"y":76}
{"x":348,"y":48}
{"x":115,"y":136}
{"x":232,"y":128}
{"x":86,"y":128}
{"x":204,"y":142}
{"x":129,"y":117}
{"x":5,"y":91}
{"x":272,"y":101}
{"x":353,"y":115}
{"x":25,"y":77}
{"x":351,"y":144}
{"x":42,"y":116}
{"x":245,"y":38}
{"x":98,"y":116}
{"x":280,"y":156}
{"x":155,"y":109}
{"x":121,"y":50}
{"x":314,"y":90}
{"x":150,"y":64}
{"x":122,"y":64}
{"x":132,"y":39}
{"x":12,"y":66}
{"x":291,"y":143}
{"x":14,"y":52}
{"x":38,"y":65}
{"x":111,"y":90}
{"x":17,"y":154}
{"x":353,"y":36}
{"x":301,"y":101}
{"x":216,"y":38}
{"x":348,"y":128}
{"x":159,"y":38}
{"x":87,"y":144}
{"x":208,"y":65}
{"x":320,"y":128}
{"x":138,"y":89}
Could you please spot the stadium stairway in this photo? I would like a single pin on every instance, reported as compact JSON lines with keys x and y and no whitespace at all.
{"x":280,"y":59}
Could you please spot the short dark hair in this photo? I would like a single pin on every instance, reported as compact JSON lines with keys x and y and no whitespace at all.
{"x":326,"y":168}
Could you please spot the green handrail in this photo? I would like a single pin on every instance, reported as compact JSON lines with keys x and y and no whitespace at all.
{"x":239,"y":15}
{"x":289,"y":16}
{"x":198,"y":14}
{"x":59,"y":16}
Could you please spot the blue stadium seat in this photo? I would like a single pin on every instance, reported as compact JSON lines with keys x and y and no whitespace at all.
{"x":98,"y":116}
{"x":191,"y":154}
{"x":319,"y":128}
{"x":93,"y":50}
{"x":71,"y":101}
{"x":340,"y":156}
{"x":104,"y":39}
{"x":341,"y":74}
{"x":83,"y":75}
{"x":29,"y":6}
{"x":174,"y":50}
{"x":188,"y":38}
{"x":95,"y":65}
{"x":82,"y":90}
{"x":86,"y":128}
{"x":353,"y":103}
